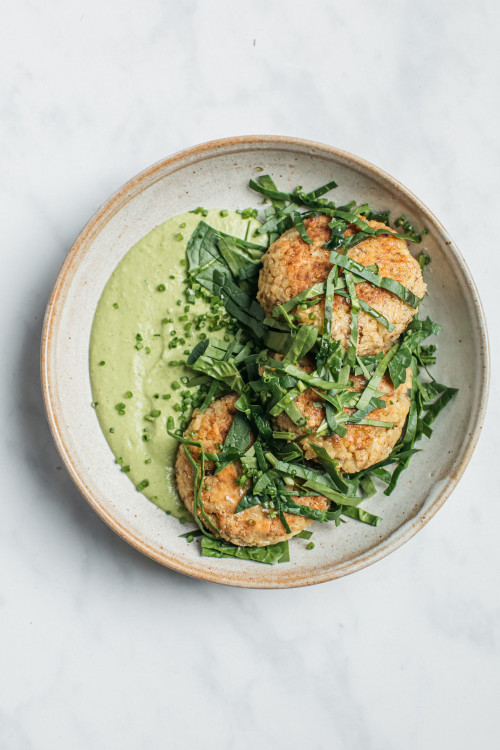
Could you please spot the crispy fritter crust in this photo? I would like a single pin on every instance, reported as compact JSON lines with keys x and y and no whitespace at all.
{"x":290,"y":266}
{"x":364,"y":445}
{"x":220,"y":493}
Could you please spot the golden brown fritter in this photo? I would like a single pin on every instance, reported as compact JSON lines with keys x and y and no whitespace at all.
{"x":364,"y":445}
{"x":221,"y":494}
{"x":290,"y":266}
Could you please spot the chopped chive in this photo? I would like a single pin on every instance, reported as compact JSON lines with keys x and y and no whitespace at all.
{"x":139,"y":346}
{"x":128,"y":394}
{"x":161,"y":287}
{"x":101,"y":363}
{"x":148,"y":460}
{"x":142,"y":485}
{"x":310,"y":545}
{"x":111,"y":429}
{"x":125,"y":468}
{"x":155,"y":413}
{"x":179,"y":236}
{"x":116,"y":305}
{"x":94,"y":404}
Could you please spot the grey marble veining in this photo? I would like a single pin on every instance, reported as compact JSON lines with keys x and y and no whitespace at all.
{"x":102,"y":648}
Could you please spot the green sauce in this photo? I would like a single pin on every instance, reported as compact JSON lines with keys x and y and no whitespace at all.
{"x":129,"y":337}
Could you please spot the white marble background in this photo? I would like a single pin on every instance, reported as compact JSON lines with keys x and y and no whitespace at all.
{"x":99,"y":646}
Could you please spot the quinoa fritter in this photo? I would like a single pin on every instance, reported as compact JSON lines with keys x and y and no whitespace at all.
{"x":290,"y":266}
{"x":364,"y":445}
{"x":221,"y":494}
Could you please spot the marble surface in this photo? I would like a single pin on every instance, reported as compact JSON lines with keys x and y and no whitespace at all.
{"x":102,"y":648}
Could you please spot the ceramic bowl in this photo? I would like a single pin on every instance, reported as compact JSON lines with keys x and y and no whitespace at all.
{"x":215,"y":175}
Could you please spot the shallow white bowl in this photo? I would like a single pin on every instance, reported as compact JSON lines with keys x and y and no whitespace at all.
{"x":215,"y":175}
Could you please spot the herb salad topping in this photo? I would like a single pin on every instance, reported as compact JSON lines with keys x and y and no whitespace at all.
{"x":273,"y":461}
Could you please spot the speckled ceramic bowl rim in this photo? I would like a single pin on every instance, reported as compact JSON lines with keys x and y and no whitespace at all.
{"x":103,"y":215}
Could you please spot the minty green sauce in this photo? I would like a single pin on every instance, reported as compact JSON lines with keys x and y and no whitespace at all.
{"x":132,"y":306}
